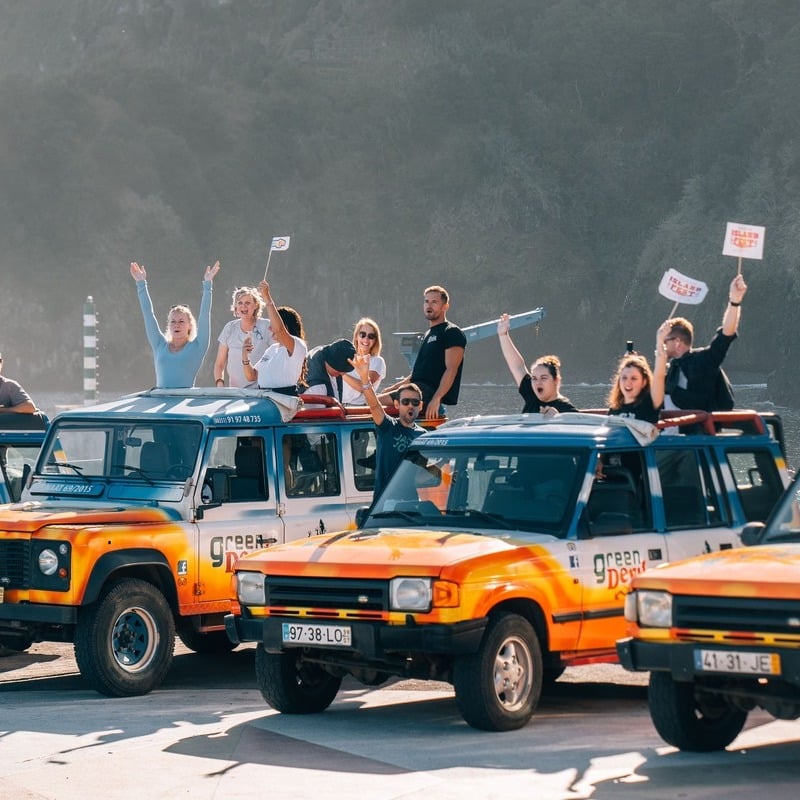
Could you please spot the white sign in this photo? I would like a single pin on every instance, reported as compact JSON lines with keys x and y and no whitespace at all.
{"x":280,"y":243}
{"x":681,"y":289}
{"x":745,"y":241}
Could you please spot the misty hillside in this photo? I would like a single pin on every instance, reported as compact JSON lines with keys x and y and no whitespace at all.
{"x":522,"y":153}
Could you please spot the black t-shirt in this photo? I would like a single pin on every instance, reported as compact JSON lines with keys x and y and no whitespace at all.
{"x":430,"y":364}
{"x":691,"y":379}
{"x":640,"y":409}
{"x":534,"y":405}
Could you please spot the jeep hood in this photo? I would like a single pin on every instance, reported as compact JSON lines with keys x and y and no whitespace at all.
{"x":31,"y":517}
{"x":379,"y":552}
{"x":763,"y":571}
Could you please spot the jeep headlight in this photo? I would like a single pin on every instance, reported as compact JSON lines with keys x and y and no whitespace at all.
{"x":48,"y":562}
{"x":410,"y":594}
{"x":649,"y":609}
{"x":250,"y":589}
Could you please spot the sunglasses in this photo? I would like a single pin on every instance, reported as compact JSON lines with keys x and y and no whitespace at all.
{"x":670,"y":338}
{"x":365,"y":335}
{"x":410,"y":401}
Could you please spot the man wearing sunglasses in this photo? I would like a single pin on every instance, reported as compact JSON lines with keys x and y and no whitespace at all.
{"x":695,"y":379}
{"x":393,"y":435}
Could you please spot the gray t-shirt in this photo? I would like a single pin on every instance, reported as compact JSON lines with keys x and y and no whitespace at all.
{"x":12,"y":394}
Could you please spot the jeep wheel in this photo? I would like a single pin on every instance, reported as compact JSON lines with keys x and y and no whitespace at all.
{"x":212,"y":643}
{"x":292,"y":687}
{"x":689,"y":720}
{"x":124,"y":641}
{"x":498,"y":687}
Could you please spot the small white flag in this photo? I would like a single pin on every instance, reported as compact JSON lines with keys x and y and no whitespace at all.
{"x":682,"y":289}
{"x":280,"y":243}
{"x":745,"y":241}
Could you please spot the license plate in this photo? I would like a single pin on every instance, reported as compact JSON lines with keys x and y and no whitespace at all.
{"x":737,"y":661}
{"x":316,"y":635}
{"x":2,"y":592}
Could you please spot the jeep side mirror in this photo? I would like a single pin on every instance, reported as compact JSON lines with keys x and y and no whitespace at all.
{"x":361,"y":516}
{"x":751,"y":533}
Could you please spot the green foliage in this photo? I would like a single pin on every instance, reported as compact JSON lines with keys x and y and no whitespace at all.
{"x":521,"y":152}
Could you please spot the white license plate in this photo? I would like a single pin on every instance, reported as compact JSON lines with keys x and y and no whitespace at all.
{"x":737,"y":661}
{"x":2,"y":592}
{"x":316,"y":635}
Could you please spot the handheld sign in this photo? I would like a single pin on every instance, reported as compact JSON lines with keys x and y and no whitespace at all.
{"x":744,"y":241}
{"x":278,"y":243}
{"x":682,"y":289}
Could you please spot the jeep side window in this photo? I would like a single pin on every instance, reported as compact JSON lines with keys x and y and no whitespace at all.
{"x":13,"y":459}
{"x":362,"y":444}
{"x":758,"y":482}
{"x":311,"y":465}
{"x":689,"y":490}
{"x":619,"y":501}
{"x":235,"y":471}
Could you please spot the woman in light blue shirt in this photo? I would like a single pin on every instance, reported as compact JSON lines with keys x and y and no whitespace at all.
{"x":178,"y":351}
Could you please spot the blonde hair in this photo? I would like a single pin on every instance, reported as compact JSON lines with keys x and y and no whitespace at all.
{"x":181,"y":309}
{"x":375,"y":347}
{"x":615,"y":397}
{"x":254,"y":293}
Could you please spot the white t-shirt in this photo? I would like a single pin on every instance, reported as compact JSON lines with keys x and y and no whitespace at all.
{"x":232,"y":336}
{"x":277,"y":369}
{"x":352,"y":397}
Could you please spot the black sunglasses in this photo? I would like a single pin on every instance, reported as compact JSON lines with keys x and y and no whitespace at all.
{"x":410,"y":401}
{"x":363,"y":334}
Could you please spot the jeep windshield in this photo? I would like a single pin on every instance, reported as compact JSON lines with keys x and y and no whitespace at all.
{"x":784,"y":522}
{"x":498,"y":490}
{"x":142,"y":451}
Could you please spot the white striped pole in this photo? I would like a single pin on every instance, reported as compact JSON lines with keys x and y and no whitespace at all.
{"x":89,"y":353}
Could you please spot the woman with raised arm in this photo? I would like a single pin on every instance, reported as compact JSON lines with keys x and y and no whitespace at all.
{"x":178,"y":351}
{"x":541,"y":386}
{"x":282,"y":367}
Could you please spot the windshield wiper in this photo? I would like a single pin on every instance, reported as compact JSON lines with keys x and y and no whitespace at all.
{"x":137,"y":470}
{"x":76,"y":468}
{"x":411,"y":516}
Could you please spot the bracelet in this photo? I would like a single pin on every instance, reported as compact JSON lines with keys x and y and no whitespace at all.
{"x":661,"y":352}
{"x":735,"y":305}
{"x":219,"y":380}
{"x":366,"y":386}
{"x":246,"y":363}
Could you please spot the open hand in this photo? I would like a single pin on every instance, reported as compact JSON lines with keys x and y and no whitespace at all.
{"x":211,"y":272}
{"x":138,"y":273}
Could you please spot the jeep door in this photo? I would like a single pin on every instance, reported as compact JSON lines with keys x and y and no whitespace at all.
{"x":237,"y":506}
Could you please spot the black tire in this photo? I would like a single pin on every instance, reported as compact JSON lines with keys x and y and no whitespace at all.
{"x":124,"y":641}
{"x":498,"y":688}
{"x":212,"y":643}
{"x":688,"y":721}
{"x":292,"y":687}
{"x":11,"y":645}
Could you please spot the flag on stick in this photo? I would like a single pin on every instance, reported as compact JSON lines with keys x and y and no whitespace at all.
{"x":278,"y":243}
{"x":744,"y":241}
{"x":682,"y":289}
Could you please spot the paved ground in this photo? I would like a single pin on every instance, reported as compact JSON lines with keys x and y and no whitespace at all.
{"x":206,"y":734}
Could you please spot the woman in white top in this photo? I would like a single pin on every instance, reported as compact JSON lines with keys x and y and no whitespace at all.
{"x":282,"y":366}
{"x":247,"y":306}
{"x":367,"y":341}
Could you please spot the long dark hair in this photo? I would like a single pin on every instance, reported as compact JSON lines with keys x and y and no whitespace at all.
{"x":294,"y":324}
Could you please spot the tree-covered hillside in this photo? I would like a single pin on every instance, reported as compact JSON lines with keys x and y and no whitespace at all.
{"x":524,"y":153}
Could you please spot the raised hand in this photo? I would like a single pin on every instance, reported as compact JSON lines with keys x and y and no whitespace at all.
{"x":138,"y":273}
{"x":211,"y":272}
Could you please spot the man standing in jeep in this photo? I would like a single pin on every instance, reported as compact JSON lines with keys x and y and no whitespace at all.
{"x":440,"y":360}
{"x":695,"y":379}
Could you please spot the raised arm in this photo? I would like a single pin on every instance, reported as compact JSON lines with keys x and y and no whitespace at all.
{"x":361,"y":365}
{"x":660,"y":365}
{"x":204,"y":317}
{"x":151,"y":327}
{"x":279,"y":331}
{"x":733,"y":312}
{"x":514,"y":359}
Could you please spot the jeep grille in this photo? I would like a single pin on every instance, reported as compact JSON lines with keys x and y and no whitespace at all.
{"x":335,"y":593}
{"x":737,"y":614}
{"x":15,"y":564}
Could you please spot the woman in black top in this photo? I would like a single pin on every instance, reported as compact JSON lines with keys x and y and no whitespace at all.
{"x":541,"y":387}
{"x":636,"y":391}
